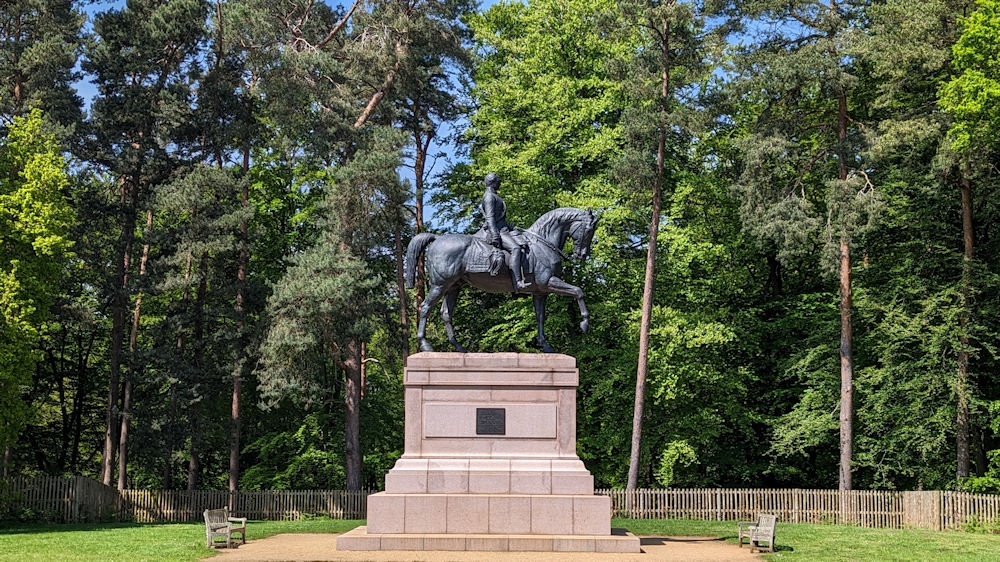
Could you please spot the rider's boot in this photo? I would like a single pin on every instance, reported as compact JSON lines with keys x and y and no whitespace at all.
{"x":515,"y":270}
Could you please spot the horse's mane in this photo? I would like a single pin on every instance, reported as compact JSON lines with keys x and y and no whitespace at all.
{"x":545,"y":221}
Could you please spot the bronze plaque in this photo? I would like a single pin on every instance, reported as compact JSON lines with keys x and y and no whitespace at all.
{"x":491,"y":421}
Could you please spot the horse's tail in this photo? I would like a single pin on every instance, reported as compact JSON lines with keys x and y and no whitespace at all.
{"x":413,"y":251}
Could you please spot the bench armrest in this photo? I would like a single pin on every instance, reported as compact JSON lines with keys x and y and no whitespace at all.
{"x":241,"y":520}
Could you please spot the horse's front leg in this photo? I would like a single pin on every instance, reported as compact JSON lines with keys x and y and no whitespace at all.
{"x":560,"y":287}
{"x":539,"y":301}
{"x":447,"y":308}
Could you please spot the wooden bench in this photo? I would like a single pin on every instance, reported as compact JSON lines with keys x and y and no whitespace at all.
{"x":761,"y":531}
{"x":218,"y":524}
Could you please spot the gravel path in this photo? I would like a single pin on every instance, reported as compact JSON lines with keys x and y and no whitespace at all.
{"x":314,"y":547}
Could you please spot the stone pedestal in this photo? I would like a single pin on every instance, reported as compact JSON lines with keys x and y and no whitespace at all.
{"x":489,"y":462}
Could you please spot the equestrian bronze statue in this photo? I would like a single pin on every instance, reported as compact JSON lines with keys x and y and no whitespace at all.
{"x":501,"y":259}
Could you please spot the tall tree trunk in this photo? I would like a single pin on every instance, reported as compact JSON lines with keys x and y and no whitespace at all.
{"x":241,"y":282}
{"x":352,"y":410}
{"x":650,"y":279}
{"x":961,"y":383}
{"x":8,"y":458}
{"x":133,"y":340}
{"x":119,"y":305}
{"x":846,"y":327}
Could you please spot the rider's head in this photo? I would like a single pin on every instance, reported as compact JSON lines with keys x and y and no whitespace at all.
{"x":492,"y":181}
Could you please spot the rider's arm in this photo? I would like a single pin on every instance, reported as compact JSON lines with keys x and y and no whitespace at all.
{"x":489,"y":213}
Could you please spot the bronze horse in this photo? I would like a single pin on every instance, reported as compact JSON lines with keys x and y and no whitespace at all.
{"x":455,"y":260}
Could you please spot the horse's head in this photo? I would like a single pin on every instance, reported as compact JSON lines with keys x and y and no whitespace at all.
{"x":582,"y":233}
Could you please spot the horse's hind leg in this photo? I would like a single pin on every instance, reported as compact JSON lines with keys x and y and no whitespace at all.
{"x":447,"y":307}
{"x":433,"y":296}
{"x":539,"y":301}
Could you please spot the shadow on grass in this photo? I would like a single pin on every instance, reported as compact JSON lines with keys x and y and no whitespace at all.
{"x":11,"y":528}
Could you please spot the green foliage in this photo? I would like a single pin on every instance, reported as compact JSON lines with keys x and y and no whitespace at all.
{"x":972,"y":96}
{"x":35,"y":220}
{"x":676,"y":453}
{"x":304,"y":459}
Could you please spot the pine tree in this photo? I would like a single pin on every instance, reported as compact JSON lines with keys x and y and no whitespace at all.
{"x":668,"y":61}
{"x":41,"y":40}
{"x":141,"y":62}
{"x":802,"y":173}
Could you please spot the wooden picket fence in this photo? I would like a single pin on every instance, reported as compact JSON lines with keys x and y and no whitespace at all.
{"x":79,"y":499}
{"x":881,"y":509}
{"x":70,"y":499}
{"x":149,"y":506}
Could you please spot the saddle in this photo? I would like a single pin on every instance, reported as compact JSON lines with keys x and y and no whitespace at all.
{"x":483,"y":257}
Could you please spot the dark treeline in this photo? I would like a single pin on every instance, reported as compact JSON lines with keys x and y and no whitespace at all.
{"x":794,"y":281}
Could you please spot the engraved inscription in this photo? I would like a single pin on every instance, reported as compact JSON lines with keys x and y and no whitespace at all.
{"x":491,"y":421}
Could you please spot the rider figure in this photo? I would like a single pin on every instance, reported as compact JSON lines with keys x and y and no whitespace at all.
{"x":501,"y":234}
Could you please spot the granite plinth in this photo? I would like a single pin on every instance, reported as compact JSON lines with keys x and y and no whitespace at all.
{"x":489,"y":461}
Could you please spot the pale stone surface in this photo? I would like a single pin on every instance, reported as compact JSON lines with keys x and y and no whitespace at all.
{"x":385,"y":513}
{"x":434,"y":359}
{"x":533,"y":421}
{"x":492,"y":361}
{"x":489,"y":476}
{"x":531,"y":482}
{"x":615,"y":544}
{"x":546,"y":361}
{"x":493,"y":543}
{"x":409,"y":476}
{"x":457,"y":394}
{"x":448,"y":476}
{"x":619,"y":542}
{"x":359,"y":539}
{"x":591,"y":515}
{"x":468,"y":514}
{"x":529,"y":543}
{"x":402,"y":542}
{"x":457,"y":542}
{"x":523,"y":395}
{"x":510,"y":515}
{"x":567,"y":422}
{"x":468,"y":448}
{"x":425,"y":513}
{"x":572,"y":483}
{"x":572,"y":544}
{"x":551,"y":515}
{"x":413,"y":426}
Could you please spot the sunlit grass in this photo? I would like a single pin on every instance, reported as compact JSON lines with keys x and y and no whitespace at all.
{"x":186,"y":541}
{"x":136,"y":541}
{"x":839,"y":542}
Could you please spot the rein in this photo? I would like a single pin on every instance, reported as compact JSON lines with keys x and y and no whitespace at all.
{"x":548,"y":244}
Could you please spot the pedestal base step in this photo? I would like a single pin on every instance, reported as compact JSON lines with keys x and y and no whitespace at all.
{"x":619,"y":540}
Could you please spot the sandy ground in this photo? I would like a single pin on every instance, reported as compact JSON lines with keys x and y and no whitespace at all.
{"x":309,"y":547}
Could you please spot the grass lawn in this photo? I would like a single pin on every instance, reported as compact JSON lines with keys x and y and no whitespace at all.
{"x":186,"y":541}
{"x":136,"y":541}
{"x":839,"y":542}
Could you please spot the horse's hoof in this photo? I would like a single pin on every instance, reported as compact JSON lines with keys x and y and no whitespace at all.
{"x":546,"y":348}
{"x":424,"y":346}
{"x":585,"y":326}
{"x":461,"y":349}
